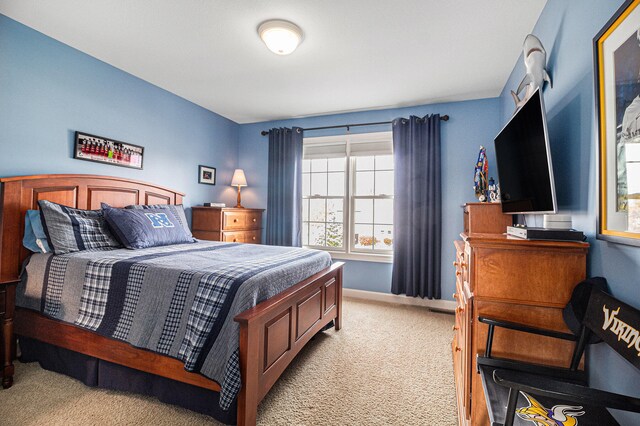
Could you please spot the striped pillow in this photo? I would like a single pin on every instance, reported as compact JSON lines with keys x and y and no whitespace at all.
{"x":70,"y":229}
{"x":176,"y":209}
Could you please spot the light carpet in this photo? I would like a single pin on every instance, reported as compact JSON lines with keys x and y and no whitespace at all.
{"x":389,"y":365}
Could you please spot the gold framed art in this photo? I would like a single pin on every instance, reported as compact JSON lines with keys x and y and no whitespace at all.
{"x":617,"y":89}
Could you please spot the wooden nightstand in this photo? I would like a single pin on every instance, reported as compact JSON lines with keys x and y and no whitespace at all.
{"x":227,"y":224}
{"x":7,"y":346}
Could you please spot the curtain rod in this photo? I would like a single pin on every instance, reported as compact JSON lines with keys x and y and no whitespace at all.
{"x":265,"y":133}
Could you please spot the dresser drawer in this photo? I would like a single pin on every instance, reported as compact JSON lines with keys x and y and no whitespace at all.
{"x":233,"y":220}
{"x":252,"y":237}
{"x":253,"y":220}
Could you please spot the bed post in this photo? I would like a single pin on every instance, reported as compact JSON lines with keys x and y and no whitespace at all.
{"x":338,"y":320}
{"x":249,"y":367}
{"x":8,"y":344}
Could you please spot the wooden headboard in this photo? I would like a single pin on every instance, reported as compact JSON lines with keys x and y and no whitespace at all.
{"x":21,"y":193}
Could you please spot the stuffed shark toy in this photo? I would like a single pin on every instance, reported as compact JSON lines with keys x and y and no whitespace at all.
{"x":535,"y":61}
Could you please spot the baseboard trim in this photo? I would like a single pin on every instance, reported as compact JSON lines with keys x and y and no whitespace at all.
{"x":439,"y":305}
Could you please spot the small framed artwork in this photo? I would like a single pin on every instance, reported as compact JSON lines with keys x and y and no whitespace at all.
{"x":102,"y":150}
{"x":207,"y":175}
{"x":617,"y":88}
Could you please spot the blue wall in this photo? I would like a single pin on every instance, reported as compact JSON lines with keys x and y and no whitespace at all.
{"x":472,"y":123}
{"x":48,"y":90}
{"x":566,"y":29}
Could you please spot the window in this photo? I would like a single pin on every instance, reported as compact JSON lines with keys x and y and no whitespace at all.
{"x":323,"y":183}
{"x":347,"y":191}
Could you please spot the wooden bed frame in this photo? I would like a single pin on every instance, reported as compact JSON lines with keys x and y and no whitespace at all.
{"x":271,"y":333}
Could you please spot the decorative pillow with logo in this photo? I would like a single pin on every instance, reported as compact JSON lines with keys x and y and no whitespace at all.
{"x":177,"y":210}
{"x":137,"y":229}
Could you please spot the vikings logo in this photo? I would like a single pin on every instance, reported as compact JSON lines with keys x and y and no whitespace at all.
{"x":559,"y":415}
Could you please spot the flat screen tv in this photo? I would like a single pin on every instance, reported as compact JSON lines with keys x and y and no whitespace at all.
{"x":523,"y":157}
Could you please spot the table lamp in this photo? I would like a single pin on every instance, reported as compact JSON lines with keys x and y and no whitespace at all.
{"x":239,"y":180}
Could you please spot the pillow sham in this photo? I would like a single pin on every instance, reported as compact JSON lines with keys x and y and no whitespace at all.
{"x":177,"y":210}
{"x":142,"y":228}
{"x":69,"y":230}
{"x":35,"y":238}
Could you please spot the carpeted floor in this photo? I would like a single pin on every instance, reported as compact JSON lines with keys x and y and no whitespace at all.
{"x":389,"y":365}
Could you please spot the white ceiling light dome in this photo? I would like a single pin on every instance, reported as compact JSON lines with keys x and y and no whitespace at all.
{"x":281,"y":37}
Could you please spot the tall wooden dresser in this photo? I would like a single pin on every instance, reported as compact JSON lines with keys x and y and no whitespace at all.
{"x":509,"y":279}
{"x":230,"y":224}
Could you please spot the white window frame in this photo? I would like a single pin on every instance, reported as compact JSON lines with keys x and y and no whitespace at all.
{"x":349,"y":251}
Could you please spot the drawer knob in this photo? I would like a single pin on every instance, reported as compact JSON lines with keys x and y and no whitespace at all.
{"x":235,"y":220}
{"x":454,"y":328}
{"x":458,"y":349}
{"x":255,"y":220}
{"x":254,"y":238}
{"x":235,"y":240}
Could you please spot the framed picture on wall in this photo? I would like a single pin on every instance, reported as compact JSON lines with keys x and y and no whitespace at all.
{"x":207,"y":175}
{"x":110,"y":151}
{"x":617,"y":88}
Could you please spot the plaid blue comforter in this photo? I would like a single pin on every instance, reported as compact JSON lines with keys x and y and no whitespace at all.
{"x":177,"y":300}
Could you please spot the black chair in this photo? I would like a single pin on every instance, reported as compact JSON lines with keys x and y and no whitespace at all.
{"x":535,"y":395}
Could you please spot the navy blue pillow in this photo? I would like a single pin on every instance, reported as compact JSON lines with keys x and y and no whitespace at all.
{"x":137,"y":229}
{"x":176,"y":209}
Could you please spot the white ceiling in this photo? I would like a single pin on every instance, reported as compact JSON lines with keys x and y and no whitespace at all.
{"x":356,"y":54}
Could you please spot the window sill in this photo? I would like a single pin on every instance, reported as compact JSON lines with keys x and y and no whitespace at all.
{"x":378,"y":258}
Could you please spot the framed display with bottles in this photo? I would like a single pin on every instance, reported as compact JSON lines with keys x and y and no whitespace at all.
{"x":103,"y":150}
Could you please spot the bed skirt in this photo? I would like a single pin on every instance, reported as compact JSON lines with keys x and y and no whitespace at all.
{"x":106,"y":375}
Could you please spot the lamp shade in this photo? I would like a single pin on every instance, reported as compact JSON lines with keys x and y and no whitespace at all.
{"x":239,"y":178}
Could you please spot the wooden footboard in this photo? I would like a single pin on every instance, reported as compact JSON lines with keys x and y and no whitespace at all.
{"x":273,"y":332}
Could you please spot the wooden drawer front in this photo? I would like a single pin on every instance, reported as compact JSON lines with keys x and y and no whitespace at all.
{"x":234,"y":237}
{"x":233,"y":220}
{"x":467,"y":355}
{"x":458,"y":356}
{"x":465,"y":265}
{"x":517,"y":275}
{"x":251,"y":237}
{"x":457,"y":373}
{"x":459,"y":328}
{"x":253,"y":220}
{"x":460,"y":321}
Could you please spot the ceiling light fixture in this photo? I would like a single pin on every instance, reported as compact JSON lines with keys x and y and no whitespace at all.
{"x":281,"y":37}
